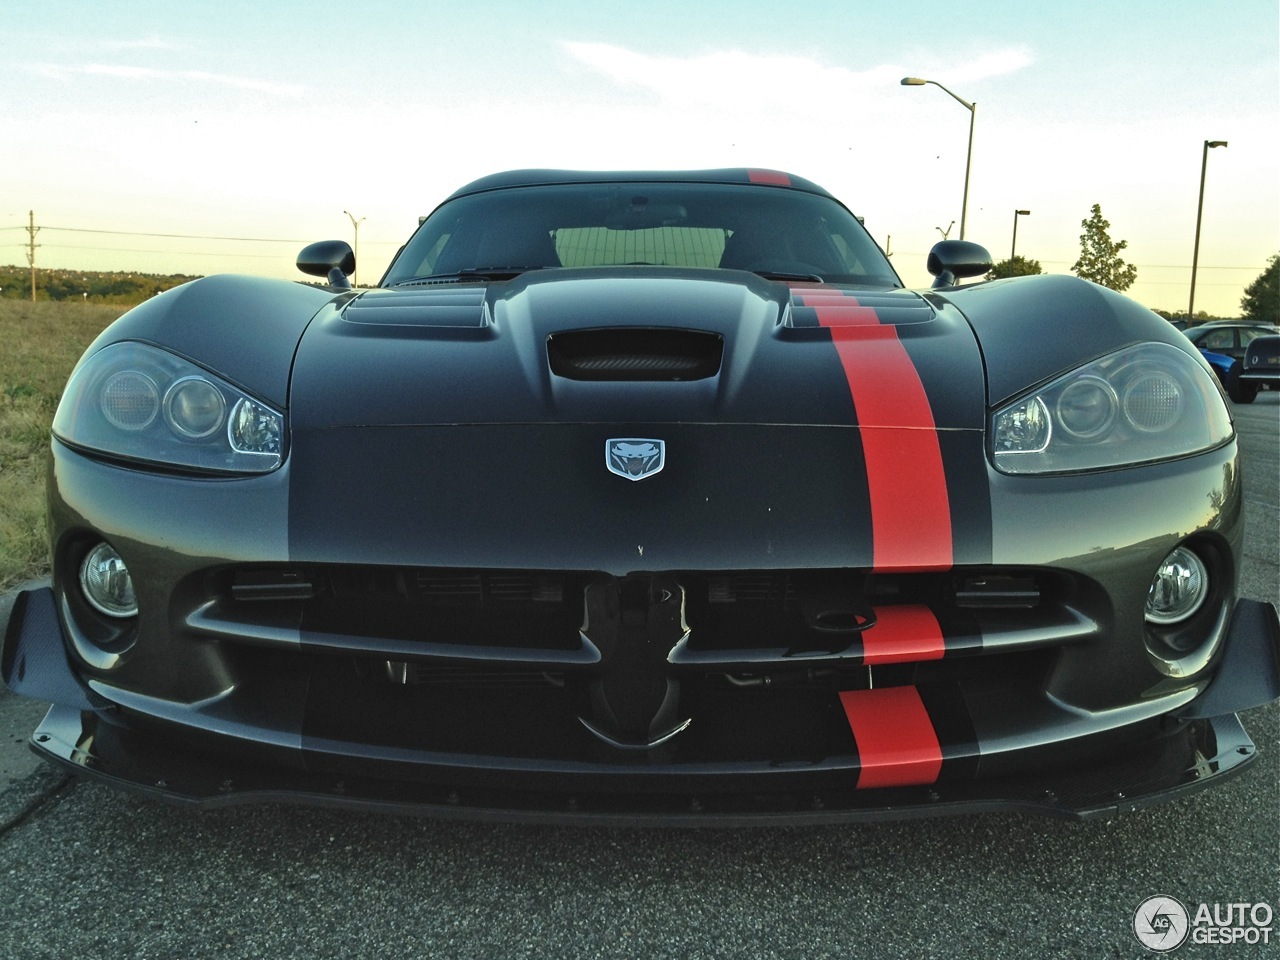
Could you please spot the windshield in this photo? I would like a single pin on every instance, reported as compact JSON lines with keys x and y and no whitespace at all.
{"x":740,"y":227}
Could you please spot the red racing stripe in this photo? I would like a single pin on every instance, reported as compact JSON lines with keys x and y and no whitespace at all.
{"x":772,"y":177}
{"x":902,"y":634}
{"x":910,"y":508}
{"x":897,"y":744}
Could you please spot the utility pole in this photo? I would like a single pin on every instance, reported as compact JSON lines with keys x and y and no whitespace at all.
{"x":1195,"y":255}
{"x":32,"y":230}
{"x":355,"y":226}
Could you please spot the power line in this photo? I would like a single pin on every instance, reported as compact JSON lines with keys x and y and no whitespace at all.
{"x":167,"y":253}
{"x":175,"y":236}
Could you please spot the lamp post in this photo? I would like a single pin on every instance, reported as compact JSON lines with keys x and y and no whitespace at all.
{"x":1195,"y":255}
{"x":968,"y":164}
{"x":1013,"y":250}
{"x":355,"y":225}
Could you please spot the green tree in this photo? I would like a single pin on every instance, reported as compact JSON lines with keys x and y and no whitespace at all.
{"x":1100,"y":258}
{"x":1261,"y":300}
{"x":1015,"y":267}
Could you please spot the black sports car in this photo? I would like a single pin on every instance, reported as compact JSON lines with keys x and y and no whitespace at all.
{"x":1259,"y":368}
{"x":646,"y":498}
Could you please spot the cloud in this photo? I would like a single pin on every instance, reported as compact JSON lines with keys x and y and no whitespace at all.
{"x":799,"y":84}
{"x":1000,"y":63}
{"x":724,"y":77}
{"x":65,"y":73}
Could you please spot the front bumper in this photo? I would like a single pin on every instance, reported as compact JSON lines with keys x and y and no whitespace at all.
{"x":1054,"y":760}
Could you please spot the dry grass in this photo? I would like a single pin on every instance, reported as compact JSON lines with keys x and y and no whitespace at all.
{"x":39,"y":344}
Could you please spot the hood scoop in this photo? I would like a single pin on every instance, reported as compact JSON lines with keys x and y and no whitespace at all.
{"x":441,"y":309}
{"x":658,"y":354}
{"x":821,"y":305}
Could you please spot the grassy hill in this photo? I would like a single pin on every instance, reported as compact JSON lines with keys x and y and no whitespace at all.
{"x":42,"y":342}
{"x":85,"y":286}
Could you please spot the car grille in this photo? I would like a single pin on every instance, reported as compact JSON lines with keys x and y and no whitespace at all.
{"x":447,"y":622}
{"x":545,"y":667}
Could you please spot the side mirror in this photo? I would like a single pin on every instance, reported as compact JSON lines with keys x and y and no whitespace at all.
{"x":332,"y":259}
{"x":953,"y":260}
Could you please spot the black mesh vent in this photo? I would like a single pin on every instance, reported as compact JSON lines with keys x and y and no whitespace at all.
{"x":655,"y":354}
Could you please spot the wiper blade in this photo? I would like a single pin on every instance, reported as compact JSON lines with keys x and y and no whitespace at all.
{"x":489,"y":274}
{"x":784,"y":275}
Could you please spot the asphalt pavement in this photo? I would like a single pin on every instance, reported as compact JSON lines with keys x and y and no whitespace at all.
{"x":86,"y":872}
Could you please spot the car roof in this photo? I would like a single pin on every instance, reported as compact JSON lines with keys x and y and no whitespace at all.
{"x":1219,"y":324}
{"x":737,"y":175}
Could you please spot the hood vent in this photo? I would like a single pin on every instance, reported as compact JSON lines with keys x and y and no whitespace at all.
{"x":442,"y":309}
{"x":635,"y":353}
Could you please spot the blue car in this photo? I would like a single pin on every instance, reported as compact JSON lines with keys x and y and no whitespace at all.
{"x":1260,"y":368}
{"x":1223,"y":344}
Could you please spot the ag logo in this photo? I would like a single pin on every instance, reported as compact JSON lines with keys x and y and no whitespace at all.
{"x":634,"y":458}
{"x":1161,"y":924}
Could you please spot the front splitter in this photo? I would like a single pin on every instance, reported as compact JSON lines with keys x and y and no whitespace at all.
{"x":1199,"y":753}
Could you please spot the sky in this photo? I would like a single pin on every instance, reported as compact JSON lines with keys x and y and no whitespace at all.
{"x":200,"y":138}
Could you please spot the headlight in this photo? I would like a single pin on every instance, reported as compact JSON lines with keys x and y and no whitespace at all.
{"x":1144,"y":403}
{"x":139,"y":402}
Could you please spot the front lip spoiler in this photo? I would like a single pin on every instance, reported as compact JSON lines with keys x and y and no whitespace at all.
{"x":1195,"y":755}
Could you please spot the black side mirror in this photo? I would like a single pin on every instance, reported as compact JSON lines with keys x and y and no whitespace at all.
{"x":332,"y":259}
{"x":953,"y":260}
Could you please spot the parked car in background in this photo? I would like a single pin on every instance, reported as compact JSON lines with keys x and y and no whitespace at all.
{"x":1260,"y":368}
{"x":1223,"y":343}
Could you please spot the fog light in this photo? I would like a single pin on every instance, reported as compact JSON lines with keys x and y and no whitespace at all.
{"x":1180,"y":586}
{"x":106,"y":582}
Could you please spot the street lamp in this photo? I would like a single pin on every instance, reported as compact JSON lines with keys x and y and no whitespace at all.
{"x":1195,"y":255}
{"x":968,"y":164}
{"x":355,"y":225}
{"x":1016,"y":214}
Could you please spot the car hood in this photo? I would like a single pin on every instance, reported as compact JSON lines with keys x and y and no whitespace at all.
{"x":832,"y":427}
{"x":637,"y":345}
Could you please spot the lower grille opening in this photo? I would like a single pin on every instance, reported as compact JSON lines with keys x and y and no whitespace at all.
{"x":543,"y":613}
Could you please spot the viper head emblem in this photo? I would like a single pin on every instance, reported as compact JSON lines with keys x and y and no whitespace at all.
{"x":634,"y":458}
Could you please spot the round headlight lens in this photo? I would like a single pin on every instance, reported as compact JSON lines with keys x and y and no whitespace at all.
{"x":1178,"y":589}
{"x":1087,"y":408}
{"x":106,"y":582}
{"x":194,"y":408}
{"x":130,"y":400}
{"x":1153,"y":402}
